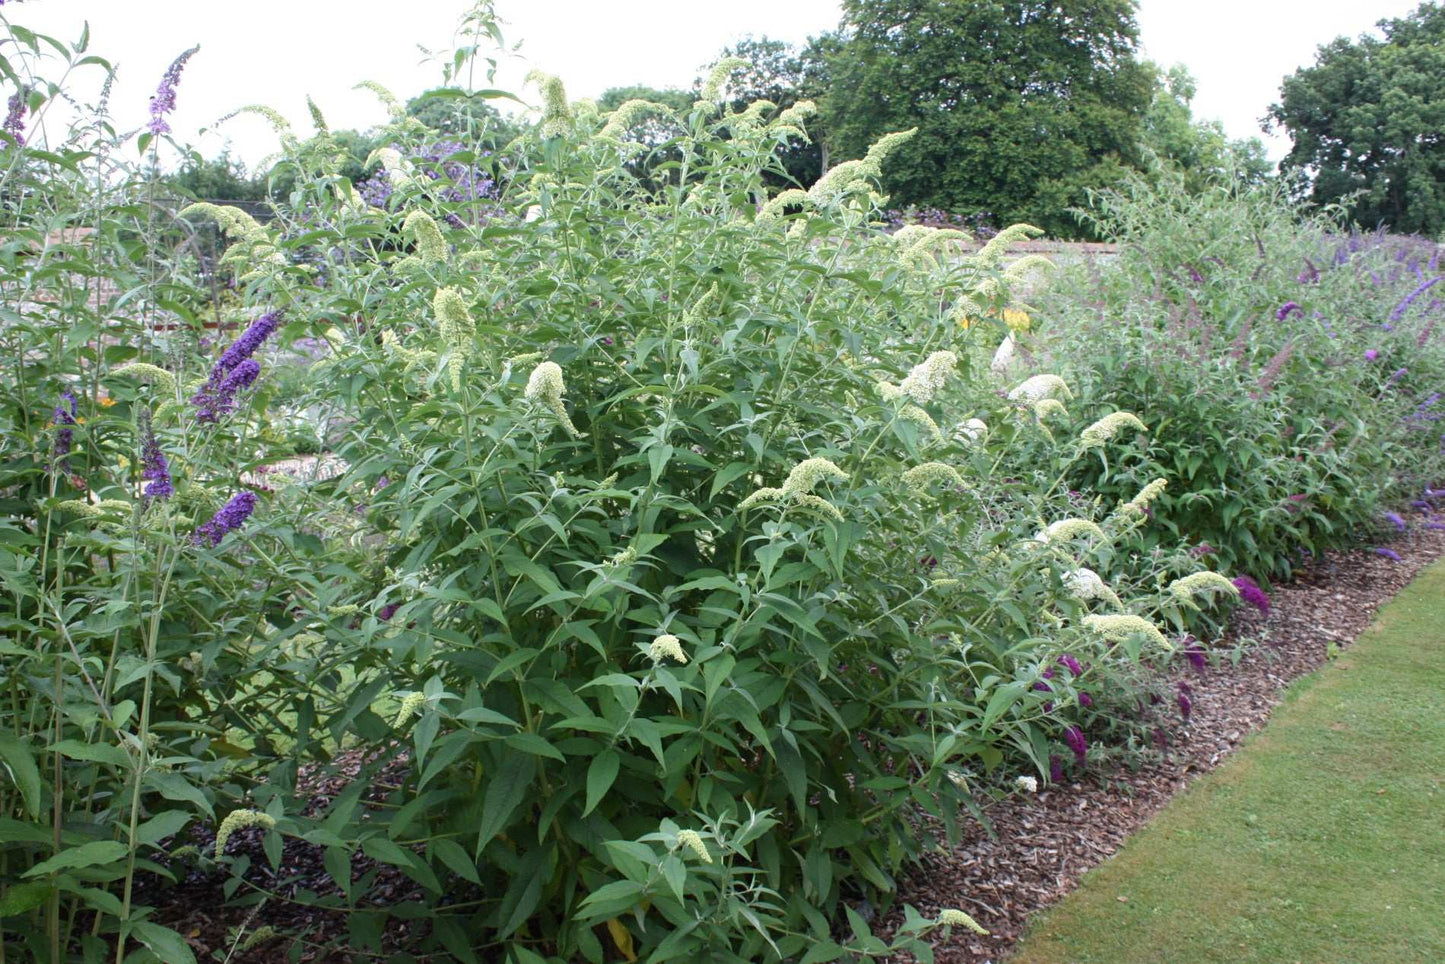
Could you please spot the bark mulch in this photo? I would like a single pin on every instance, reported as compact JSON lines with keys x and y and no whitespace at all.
{"x":1043,"y":843}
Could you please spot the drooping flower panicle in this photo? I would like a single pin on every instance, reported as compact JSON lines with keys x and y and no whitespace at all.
{"x":155,"y":470}
{"x":692,"y":840}
{"x":1039,"y":387}
{"x":666,"y":646}
{"x":241,"y":820}
{"x":1185,"y":589}
{"x":799,"y":485}
{"x":1250,"y":592}
{"x":1107,"y":427}
{"x":234,"y":370}
{"x":1120,"y":626}
{"x":545,"y":387}
{"x":164,"y":100}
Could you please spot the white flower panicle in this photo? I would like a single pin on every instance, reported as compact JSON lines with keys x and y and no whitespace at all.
{"x":1146,"y":496}
{"x":852,"y":176}
{"x":973,"y":430}
{"x":1068,"y":529}
{"x":457,"y":329}
{"x":431,"y":247}
{"x":1085,"y":584}
{"x":795,"y":115}
{"x":1019,"y":270}
{"x":952,"y":917}
{"x":556,"y":115}
{"x":666,"y":646}
{"x":925,"y":380}
{"x":773,"y":209}
{"x":240,"y":820}
{"x":799,"y":485}
{"x":1123,"y":625}
{"x":1027,"y":784}
{"x":712,"y":85}
{"x":155,"y":374}
{"x":1187,"y":587}
{"x":627,"y":114}
{"x":394,"y":108}
{"x":920,"y":477}
{"x":1045,"y":407}
{"x":1039,"y":387}
{"x":924,"y":421}
{"x":410,"y":704}
{"x":545,"y":387}
{"x":692,"y":840}
{"x":992,"y":252}
{"x":1109,"y":426}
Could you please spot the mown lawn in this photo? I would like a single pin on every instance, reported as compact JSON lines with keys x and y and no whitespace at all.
{"x":1323,"y":840}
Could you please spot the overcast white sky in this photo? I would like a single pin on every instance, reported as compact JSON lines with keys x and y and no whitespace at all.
{"x":275,"y":52}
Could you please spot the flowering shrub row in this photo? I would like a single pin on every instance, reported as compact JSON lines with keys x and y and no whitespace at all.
{"x":678,"y":547}
{"x":1292,"y":369}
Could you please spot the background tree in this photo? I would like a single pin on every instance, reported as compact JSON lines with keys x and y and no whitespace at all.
{"x":1201,"y":150}
{"x":1367,"y":118}
{"x":1021,"y":105}
{"x":218,"y":178}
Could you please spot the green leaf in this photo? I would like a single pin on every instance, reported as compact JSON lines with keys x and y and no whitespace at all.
{"x":21,"y":897}
{"x":458,"y":861}
{"x":600,"y":776}
{"x":506,"y":789}
{"x":92,"y":854}
{"x":20,"y":764}
{"x":164,"y":942}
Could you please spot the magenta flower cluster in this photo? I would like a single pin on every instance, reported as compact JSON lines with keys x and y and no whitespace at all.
{"x":1250,"y":592}
{"x":154,"y":467}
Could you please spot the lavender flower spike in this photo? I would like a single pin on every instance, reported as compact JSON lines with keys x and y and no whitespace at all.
{"x":64,"y":416}
{"x":232,"y":516}
{"x":1286,"y":309}
{"x":1394,"y":519}
{"x":15,"y":116}
{"x":1408,"y":300}
{"x":1388,"y":554}
{"x":164,"y":100}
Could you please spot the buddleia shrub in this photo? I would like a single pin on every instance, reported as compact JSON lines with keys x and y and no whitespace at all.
{"x":705,"y":575}
{"x":1291,"y":368}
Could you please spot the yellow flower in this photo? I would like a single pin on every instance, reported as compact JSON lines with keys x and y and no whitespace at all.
{"x":106,"y":401}
{"x":1018,"y":321}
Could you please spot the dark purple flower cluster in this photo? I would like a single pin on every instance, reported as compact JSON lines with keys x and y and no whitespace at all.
{"x":1056,"y":769}
{"x":1085,"y":700}
{"x":1186,"y":705}
{"x":15,"y":116}
{"x":1194,"y":652}
{"x":1287,"y":309}
{"x":1250,"y":592}
{"x":1396,"y":520}
{"x":1075,"y":738}
{"x":235,"y":370}
{"x":64,"y":417}
{"x":232,"y":516}
{"x":164,"y":100}
{"x":1310,"y":275}
{"x":1071,"y":664}
{"x":154,"y":467}
{"x":1388,"y":553}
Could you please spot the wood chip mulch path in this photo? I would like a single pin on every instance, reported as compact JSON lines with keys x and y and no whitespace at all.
{"x":1046,"y":841}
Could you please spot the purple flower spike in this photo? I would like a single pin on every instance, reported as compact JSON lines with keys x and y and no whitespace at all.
{"x":1387,"y":553}
{"x":154,"y":468}
{"x":1043,"y":687}
{"x":232,"y":516}
{"x":1435,"y":525}
{"x":1371,"y":354}
{"x":1394,"y":519}
{"x":1194,"y":652}
{"x":1071,"y":664}
{"x":1408,"y":300}
{"x":1287,"y":309}
{"x":64,"y":417}
{"x":1250,"y":592}
{"x":164,"y":100}
{"x":234,"y":370}
{"x":1085,"y":700}
{"x":1203,"y":549}
{"x":15,"y":116}
{"x":1075,"y":738}
{"x":1056,"y":770}
{"x":1186,"y":705}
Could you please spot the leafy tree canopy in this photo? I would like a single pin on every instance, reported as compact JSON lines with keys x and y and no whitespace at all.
{"x":1200,"y":150}
{"x":1021,"y":105}
{"x":1366,"y":123}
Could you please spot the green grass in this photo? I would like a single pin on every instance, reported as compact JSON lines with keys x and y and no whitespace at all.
{"x":1321,"y":842}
